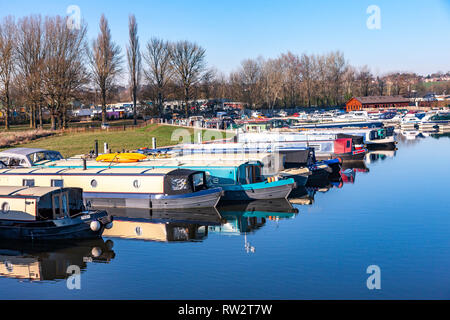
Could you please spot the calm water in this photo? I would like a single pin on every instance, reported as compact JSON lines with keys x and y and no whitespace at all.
{"x":395,"y":215}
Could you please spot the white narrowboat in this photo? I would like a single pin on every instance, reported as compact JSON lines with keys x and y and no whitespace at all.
{"x":123,"y":187}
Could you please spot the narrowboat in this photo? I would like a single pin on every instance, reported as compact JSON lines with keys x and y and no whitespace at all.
{"x":326,"y":146}
{"x":240,"y":178}
{"x":123,"y":187}
{"x":50,"y":260}
{"x":373,"y":139}
{"x":163,"y":226}
{"x":48,"y":213}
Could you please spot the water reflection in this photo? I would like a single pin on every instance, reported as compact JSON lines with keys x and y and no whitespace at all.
{"x":49,"y":261}
{"x":162,"y":226}
{"x":249,"y":217}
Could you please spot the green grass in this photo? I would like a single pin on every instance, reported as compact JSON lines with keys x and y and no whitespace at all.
{"x":70,"y":144}
{"x":429,"y":84}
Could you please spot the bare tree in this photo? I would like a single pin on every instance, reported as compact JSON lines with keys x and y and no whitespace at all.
{"x":160,"y":71}
{"x":308,"y":75}
{"x":134,"y":62}
{"x":291,"y":66}
{"x":250,"y":74}
{"x":63,"y":71}
{"x":7,"y":63}
{"x":105,"y":60}
{"x":364,"y":78}
{"x":188,"y":61}
{"x":30,"y":58}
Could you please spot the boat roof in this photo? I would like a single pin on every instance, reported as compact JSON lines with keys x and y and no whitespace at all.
{"x":26,"y":191}
{"x":24,"y":151}
{"x":89,"y":171}
{"x":193,"y":160}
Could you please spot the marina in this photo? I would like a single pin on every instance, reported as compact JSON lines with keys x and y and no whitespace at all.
{"x":223,"y":160}
{"x":255,"y":239}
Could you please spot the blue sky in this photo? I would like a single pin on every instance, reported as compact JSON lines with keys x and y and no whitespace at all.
{"x":414,"y":35}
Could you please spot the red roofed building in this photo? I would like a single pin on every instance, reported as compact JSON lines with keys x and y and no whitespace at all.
{"x":373,"y":102}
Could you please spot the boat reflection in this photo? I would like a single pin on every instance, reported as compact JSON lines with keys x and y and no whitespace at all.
{"x":249,"y":217}
{"x":49,"y":261}
{"x":380,"y":155}
{"x":162,"y":226}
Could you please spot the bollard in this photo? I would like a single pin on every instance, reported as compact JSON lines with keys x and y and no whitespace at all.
{"x":105,"y":147}
{"x":153,"y":143}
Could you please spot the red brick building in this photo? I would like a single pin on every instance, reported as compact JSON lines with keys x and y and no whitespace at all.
{"x":384,"y":102}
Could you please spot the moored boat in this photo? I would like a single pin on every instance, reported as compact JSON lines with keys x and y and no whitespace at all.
{"x":48,"y":213}
{"x":123,"y":187}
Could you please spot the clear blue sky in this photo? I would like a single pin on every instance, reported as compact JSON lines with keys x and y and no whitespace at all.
{"x":414,"y":35}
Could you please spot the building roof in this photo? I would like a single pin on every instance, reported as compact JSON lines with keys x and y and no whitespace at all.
{"x":382,"y":99}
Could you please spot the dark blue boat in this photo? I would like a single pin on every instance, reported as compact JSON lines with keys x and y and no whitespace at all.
{"x":48,"y":213}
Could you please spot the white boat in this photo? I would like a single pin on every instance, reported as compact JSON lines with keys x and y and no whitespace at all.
{"x":123,"y":187}
{"x":352,"y":116}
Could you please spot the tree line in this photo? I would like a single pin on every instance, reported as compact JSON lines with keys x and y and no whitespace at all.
{"x":45,"y":65}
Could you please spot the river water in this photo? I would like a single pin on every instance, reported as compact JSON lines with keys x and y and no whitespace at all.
{"x":385,"y":225}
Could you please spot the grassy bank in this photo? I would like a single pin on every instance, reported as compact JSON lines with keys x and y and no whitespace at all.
{"x":70,"y":144}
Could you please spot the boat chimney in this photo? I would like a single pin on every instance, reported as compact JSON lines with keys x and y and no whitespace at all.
{"x":84,"y":164}
{"x":96,"y":148}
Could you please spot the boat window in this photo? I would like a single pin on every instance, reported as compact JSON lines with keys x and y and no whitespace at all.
{"x":76,"y":205}
{"x":14,"y":162}
{"x":28,"y":182}
{"x":5,"y":207}
{"x":64,"y":205}
{"x":250,"y":174}
{"x":57,"y":206}
{"x":348,"y":144}
{"x":45,"y":208}
{"x":198,"y":181}
{"x":57,"y":183}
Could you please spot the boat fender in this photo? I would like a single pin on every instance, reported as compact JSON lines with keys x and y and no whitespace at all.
{"x":95,"y":226}
{"x":96,"y":252}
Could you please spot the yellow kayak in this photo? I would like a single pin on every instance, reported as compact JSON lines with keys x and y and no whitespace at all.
{"x":121,"y":157}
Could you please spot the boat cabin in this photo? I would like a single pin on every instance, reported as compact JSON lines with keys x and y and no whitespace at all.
{"x":40,"y":203}
{"x":28,"y":157}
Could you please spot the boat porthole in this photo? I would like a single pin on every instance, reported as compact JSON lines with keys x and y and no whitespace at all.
{"x":138,"y":231}
{"x":5,"y":207}
{"x":136,"y":184}
{"x":94,"y":183}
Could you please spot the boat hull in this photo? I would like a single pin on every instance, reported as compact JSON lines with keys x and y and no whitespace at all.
{"x":200,"y":199}
{"x":64,"y":229}
{"x":259,"y":191}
